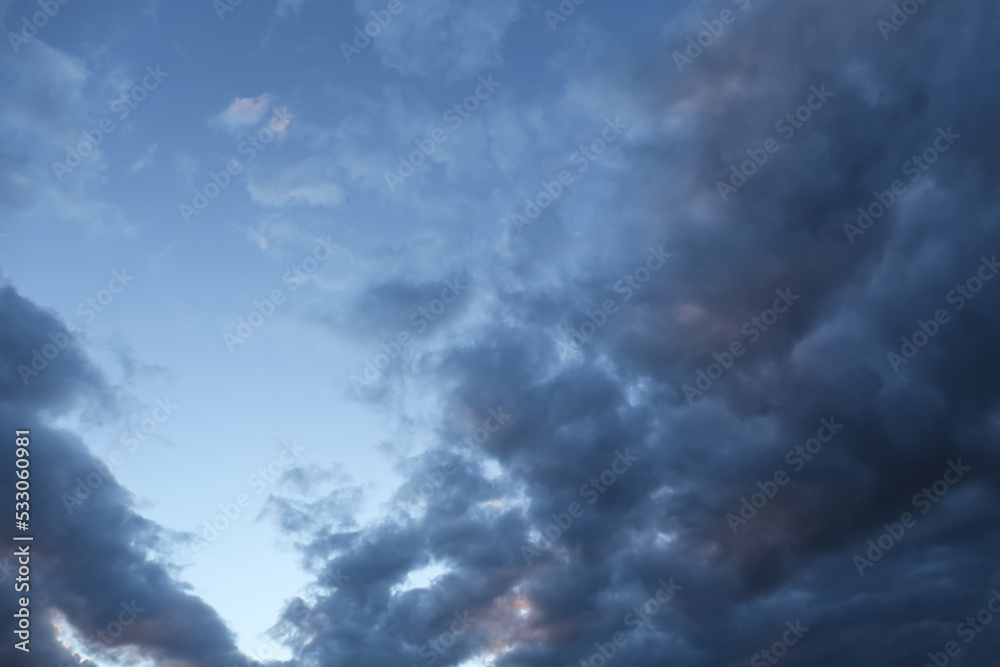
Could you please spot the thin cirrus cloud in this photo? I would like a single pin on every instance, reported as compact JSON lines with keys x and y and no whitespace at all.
{"x":299,"y":184}
{"x":146,"y":160}
{"x":442,"y":37}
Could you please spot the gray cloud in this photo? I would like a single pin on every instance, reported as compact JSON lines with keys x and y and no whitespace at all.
{"x":825,"y":358}
{"x":89,"y":559}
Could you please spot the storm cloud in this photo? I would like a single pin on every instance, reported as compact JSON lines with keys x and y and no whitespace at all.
{"x":729,"y":398}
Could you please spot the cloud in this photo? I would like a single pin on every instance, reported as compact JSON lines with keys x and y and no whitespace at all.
{"x":539,"y":544}
{"x":186,"y":167}
{"x":824,"y":359}
{"x":305,"y":183}
{"x":244,"y":112}
{"x":48,"y":104}
{"x":145,"y":160}
{"x":442,"y":37}
{"x":313,"y":194}
{"x":89,"y":562}
{"x":47,"y":108}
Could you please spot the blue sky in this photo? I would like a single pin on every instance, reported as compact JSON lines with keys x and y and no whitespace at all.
{"x":302,"y":270}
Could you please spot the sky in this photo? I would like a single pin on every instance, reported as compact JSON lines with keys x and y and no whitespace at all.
{"x":512,"y":333}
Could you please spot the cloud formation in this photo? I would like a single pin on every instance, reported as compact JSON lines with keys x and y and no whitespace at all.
{"x":443,"y":37}
{"x":789,"y":571}
{"x":96,"y":563}
{"x":777,"y":440}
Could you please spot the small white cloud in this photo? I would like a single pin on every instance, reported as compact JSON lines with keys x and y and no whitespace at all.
{"x":244,"y":112}
{"x":186,"y":167}
{"x":307,"y":183}
{"x":272,"y":230}
{"x":280,"y":120}
{"x":312,"y":194}
{"x":145,"y":160}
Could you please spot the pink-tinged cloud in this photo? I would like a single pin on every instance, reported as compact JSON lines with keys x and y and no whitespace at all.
{"x":245,"y":112}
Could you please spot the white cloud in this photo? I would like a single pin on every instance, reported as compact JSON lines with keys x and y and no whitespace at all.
{"x":146,"y":159}
{"x":279,"y":194}
{"x":272,"y":230}
{"x":186,"y":167}
{"x":244,"y":112}
{"x":442,"y":37}
{"x":306,"y":183}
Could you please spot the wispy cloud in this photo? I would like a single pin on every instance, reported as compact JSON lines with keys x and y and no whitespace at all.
{"x":145,"y":160}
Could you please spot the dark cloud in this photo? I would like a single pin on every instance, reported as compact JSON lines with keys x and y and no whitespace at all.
{"x":97,"y":562}
{"x":607,"y":486}
{"x":824,"y":359}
